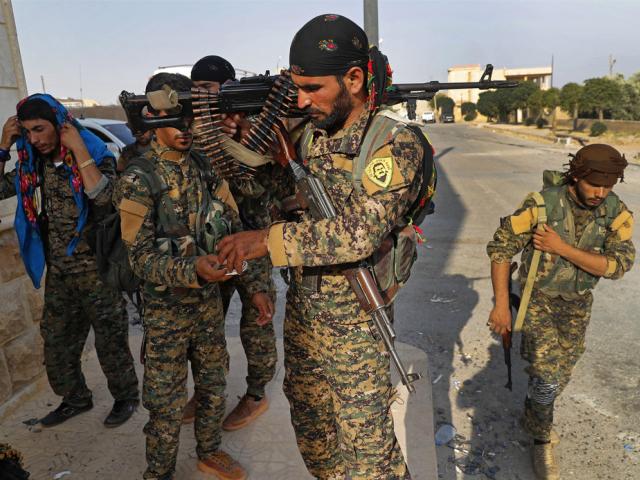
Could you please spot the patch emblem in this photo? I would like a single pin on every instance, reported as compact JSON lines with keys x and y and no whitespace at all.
{"x":328,"y":45}
{"x":296,"y":69}
{"x":331,"y":18}
{"x":380,"y":171}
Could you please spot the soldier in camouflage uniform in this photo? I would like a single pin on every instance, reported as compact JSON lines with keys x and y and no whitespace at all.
{"x":75,"y":298}
{"x":587,"y":236}
{"x":337,"y":378}
{"x":135,"y":149}
{"x":183,"y":316}
{"x":258,"y":340}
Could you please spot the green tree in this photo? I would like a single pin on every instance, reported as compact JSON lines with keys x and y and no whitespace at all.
{"x":569,"y":100}
{"x":601,"y":94}
{"x":468,"y":108}
{"x":488,"y":105}
{"x":628,"y":104}
{"x":445,"y":104}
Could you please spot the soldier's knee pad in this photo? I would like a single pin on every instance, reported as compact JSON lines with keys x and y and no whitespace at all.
{"x":542,"y":392}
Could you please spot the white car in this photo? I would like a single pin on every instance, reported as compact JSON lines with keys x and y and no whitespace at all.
{"x":428,"y":117}
{"x":114,"y":133}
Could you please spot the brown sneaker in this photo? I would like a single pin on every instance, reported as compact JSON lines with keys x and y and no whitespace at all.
{"x":245,"y":412}
{"x":544,"y":462}
{"x":189,"y":414}
{"x":222,"y":466}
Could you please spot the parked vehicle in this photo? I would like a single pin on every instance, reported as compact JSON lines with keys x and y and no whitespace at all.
{"x":429,"y":117}
{"x":114,"y":133}
{"x":447,"y":118}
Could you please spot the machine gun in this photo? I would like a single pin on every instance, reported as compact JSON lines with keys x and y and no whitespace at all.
{"x":252,"y":95}
{"x":403,"y":92}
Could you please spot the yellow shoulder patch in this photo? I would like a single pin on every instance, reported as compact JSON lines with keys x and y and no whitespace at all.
{"x":623,"y":225}
{"x":224,"y":194}
{"x":524,"y":221}
{"x":382,"y":172}
{"x":131,"y":218}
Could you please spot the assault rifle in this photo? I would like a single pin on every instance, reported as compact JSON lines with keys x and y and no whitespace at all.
{"x":507,"y":337}
{"x":251,"y":94}
{"x":313,"y":196}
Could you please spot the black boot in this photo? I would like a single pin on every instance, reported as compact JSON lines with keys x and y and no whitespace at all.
{"x":120,"y":413}
{"x":63,"y":413}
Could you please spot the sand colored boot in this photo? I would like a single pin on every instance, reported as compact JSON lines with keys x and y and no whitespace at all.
{"x":544,"y":462}
{"x":247,"y":410}
{"x":223,"y":466}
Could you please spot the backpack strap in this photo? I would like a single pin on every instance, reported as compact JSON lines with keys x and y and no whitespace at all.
{"x":145,"y":169}
{"x":535,"y":262}
{"x":377,"y":135}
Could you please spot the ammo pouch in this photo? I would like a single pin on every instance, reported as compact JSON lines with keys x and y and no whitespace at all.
{"x":392,"y":262}
{"x":214,"y":227}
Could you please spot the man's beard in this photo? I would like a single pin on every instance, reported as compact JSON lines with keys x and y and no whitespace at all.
{"x":340,"y":111}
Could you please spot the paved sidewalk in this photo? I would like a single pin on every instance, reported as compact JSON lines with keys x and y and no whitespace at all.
{"x":267,"y":448}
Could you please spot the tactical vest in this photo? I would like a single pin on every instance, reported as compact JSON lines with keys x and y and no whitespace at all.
{"x":393,"y":260}
{"x":557,"y":276}
{"x":173,"y":237}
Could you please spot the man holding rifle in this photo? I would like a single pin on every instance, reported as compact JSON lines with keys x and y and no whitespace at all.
{"x":337,"y":376}
{"x":572,"y":233}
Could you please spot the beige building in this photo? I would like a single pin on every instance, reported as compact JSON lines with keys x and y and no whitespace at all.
{"x":78,"y":102}
{"x":472,"y":73}
{"x":20,"y":304}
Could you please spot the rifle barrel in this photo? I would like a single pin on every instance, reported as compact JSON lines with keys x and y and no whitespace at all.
{"x":435,"y":86}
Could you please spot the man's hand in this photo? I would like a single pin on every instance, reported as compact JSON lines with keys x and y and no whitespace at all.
{"x":10,"y":132}
{"x":209,"y":269}
{"x":233,"y":249}
{"x":500,"y":320}
{"x":265,"y":306}
{"x":547,"y":240}
{"x":235,"y":125}
{"x":71,"y":139}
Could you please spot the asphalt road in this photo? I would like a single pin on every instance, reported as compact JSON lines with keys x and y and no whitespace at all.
{"x":444,"y":309}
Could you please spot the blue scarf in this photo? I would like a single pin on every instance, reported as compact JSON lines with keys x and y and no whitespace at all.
{"x":27,"y":181}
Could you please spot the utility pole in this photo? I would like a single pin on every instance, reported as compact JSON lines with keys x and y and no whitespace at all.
{"x":44,"y":90}
{"x":371,"y":21}
{"x":552,"y":70}
{"x":612,"y":62}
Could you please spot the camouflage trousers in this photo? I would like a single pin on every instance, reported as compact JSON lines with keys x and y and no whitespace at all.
{"x":259,"y":342}
{"x":73,"y":303}
{"x":553,"y":341}
{"x":175,"y":333}
{"x":339,"y":389}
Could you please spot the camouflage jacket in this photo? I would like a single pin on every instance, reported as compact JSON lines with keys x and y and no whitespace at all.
{"x":515,"y":234}
{"x":150,"y":260}
{"x":364,"y":218}
{"x":62,"y":213}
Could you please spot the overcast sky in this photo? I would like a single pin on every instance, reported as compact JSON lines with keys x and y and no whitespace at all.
{"x":111,"y":45}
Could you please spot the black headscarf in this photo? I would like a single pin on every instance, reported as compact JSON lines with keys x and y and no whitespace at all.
{"x":328,"y":45}
{"x":213,"y":68}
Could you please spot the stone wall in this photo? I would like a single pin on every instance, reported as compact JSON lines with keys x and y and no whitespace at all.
{"x":21,"y":358}
{"x":624,"y":127}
